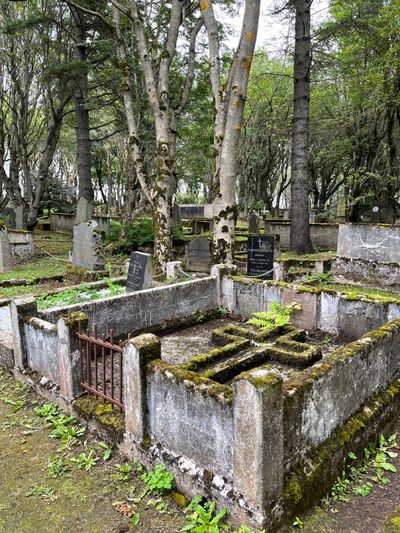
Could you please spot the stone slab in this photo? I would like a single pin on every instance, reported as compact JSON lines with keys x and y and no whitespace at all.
{"x":87,"y":246}
{"x":140,"y":274}
{"x":198,"y":255}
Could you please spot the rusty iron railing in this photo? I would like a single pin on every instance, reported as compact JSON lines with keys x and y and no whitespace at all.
{"x":101,"y":366}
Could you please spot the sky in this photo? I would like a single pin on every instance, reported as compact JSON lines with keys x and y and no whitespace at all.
{"x":274,"y":30}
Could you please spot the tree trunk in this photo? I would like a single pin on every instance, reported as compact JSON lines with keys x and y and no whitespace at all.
{"x":83,"y":154}
{"x":225,"y":203}
{"x":300,"y":241}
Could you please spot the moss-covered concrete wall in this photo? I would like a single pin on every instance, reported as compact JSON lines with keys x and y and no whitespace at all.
{"x":192,"y":417}
{"x":327,"y":310}
{"x":332,"y":390}
{"x":129,"y":313}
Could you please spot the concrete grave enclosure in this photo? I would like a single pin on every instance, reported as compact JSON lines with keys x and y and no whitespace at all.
{"x":227,"y":422}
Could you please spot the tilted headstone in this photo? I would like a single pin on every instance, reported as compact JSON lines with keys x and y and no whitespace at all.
{"x":140,"y":275}
{"x":254,"y":224}
{"x":84,"y":210}
{"x":5,"y":251}
{"x":260,"y":256}
{"x":198,"y":255}
{"x":87,"y":246}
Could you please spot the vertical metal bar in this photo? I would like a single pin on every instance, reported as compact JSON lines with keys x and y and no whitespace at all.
{"x":96,"y":385}
{"x":80,"y":348}
{"x":120,"y":377}
{"x":112,"y":364}
{"x":88,"y":369}
{"x":103,"y":359}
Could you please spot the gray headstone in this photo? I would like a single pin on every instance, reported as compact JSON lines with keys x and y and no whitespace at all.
{"x":198,"y":255}
{"x":388,"y":215}
{"x":87,"y":246}
{"x":176,"y":215}
{"x":254,"y":224}
{"x":8,"y":216}
{"x":260,"y":256}
{"x":84,"y":210}
{"x":20,"y":218}
{"x":140,"y":274}
{"x":5,"y":251}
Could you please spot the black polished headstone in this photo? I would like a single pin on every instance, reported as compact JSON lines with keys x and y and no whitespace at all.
{"x":139,"y":272}
{"x":260,"y":256}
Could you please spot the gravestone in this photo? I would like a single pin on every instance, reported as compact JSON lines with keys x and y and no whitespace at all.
{"x":140,"y":274}
{"x":254,"y":223}
{"x":20,"y":218}
{"x":176,"y":215}
{"x":198,"y":255}
{"x":5,"y":251}
{"x":87,"y":246}
{"x":84,"y":210}
{"x":260,"y":256}
{"x":8,"y":216}
{"x":388,"y":215}
{"x":341,"y":207}
{"x":375,"y":215}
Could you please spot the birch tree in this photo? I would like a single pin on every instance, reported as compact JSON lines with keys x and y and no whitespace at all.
{"x":228,"y":111}
{"x":156,"y":63}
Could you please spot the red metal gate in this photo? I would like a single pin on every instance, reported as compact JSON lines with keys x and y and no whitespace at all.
{"x":101,"y":366}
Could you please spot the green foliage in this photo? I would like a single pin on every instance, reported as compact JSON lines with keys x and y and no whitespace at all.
{"x":278,"y":315}
{"x":360,"y":479}
{"x":127,"y":239}
{"x":124,"y":472}
{"x":319,"y":277}
{"x":62,"y":425}
{"x":85,"y":461}
{"x":203,"y":519}
{"x":47,"y":493}
{"x":83,"y":293}
{"x":107,"y":449}
{"x":298,"y":523}
{"x":57,"y":466}
{"x":158,"y":480}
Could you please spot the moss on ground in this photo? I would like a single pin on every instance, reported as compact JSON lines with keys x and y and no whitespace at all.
{"x":80,"y":501}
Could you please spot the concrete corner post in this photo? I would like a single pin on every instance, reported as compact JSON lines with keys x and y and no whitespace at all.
{"x":258,"y":437}
{"x":68,"y":354}
{"x":219,"y":271}
{"x":138,"y":352}
{"x":21,"y":309}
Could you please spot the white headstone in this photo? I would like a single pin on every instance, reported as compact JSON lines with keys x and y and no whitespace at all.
{"x":87,"y":246}
{"x":5,"y":251}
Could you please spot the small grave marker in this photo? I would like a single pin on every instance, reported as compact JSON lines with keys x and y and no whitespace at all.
{"x":140,"y":275}
{"x":5,"y":251}
{"x":198,"y":255}
{"x":254,"y":223}
{"x":260,"y":256}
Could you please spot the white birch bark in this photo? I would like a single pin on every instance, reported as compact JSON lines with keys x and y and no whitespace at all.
{"x":225,"y":211}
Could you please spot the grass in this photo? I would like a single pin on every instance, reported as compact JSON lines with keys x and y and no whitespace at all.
{"x":36,"y":268}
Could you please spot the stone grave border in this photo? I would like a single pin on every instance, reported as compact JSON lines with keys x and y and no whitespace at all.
{"x":247,"y":445}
